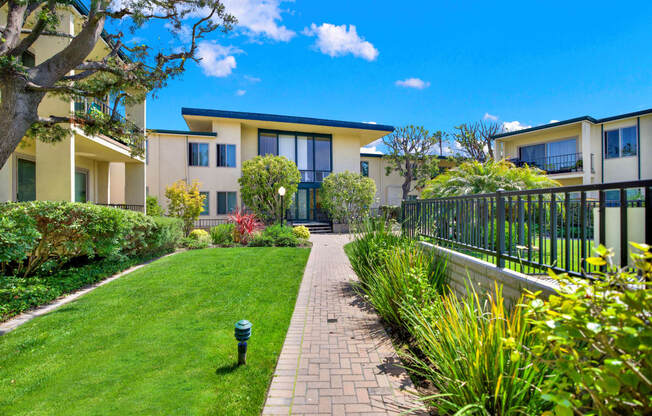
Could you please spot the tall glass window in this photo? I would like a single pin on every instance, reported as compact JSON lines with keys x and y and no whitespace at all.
{"x":620,"y":142}
{"x":628,"y":141}
{"x":81,"y":186}
{"x":322,"y":154}
{"x":206,"y":208}
{"x":267,"y":144}
{"x":286,"y":146}
{"x":562,"y":147}
{"x":226,"y":155}
{"x":198,"y":154}
{"x":26,"y":180}
{"x":226,"y":202}
{"x":364,"y":168}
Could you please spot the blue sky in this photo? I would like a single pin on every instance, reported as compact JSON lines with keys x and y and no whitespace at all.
{"x":525,"y":63}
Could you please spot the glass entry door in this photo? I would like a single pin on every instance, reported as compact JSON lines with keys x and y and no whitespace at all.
{"x":306,"y":206}
{"x":81,"y":186}
{"x":26,"y":181}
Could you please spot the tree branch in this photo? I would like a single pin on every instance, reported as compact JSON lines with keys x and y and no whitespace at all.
{"x":36,"y":31}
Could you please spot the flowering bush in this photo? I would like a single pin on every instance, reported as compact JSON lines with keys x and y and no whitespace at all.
{"x":245,"y":226}
{"x":301,"y":231}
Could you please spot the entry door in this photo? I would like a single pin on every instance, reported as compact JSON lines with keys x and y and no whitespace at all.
{"x":26,"y":181}
{"x":81,"y":186}
{"x":303,"y":205}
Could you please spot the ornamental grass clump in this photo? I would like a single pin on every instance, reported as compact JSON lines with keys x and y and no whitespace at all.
{"x":476,"y":353}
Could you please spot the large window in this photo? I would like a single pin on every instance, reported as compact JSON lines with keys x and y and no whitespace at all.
{"x":26,"y":181}
{"x":81,"y":186}
{"x":364,"y":168}
{"x":620,"y":142}
{"x":206,"y":209}
{"x":311,"y":152}
{"x":226,"y":155}
{"x":226,"y":202}
{"x":198,"y":154}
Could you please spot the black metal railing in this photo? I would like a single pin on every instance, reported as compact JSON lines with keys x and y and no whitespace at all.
{"x":554,"y":164}
{"x":313,"y":175}
{"x":88,"y":105}
{"x":534,"y":230}
{"x":129,"y":207}
{"x":208,"y":223}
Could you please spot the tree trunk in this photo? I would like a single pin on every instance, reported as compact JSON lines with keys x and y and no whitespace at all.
{"x":18,"y":110}
{"x":406,"y":188}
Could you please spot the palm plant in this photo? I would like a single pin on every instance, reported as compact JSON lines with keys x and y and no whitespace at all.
{"x":479,"y":178}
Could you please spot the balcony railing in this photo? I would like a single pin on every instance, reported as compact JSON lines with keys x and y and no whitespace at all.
{"x":313,"y":175}
{"x":129,"y":207}
{"x":571,"y":162}
{"x":88,"y":105}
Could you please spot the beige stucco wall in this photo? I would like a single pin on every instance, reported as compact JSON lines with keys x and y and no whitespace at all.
{"x":388,"y":187}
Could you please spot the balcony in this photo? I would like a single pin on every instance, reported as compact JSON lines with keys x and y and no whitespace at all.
{"x":571,"y":162}
{"x":313,"y":175}
{"x":86,"y":105}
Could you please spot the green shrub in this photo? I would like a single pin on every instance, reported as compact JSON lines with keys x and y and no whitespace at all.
{"x":153,"y":208}
{"x":166,"y":236}
{"x":301,"y":231}
{"x":597,"y":337}
{"x":197,"y":239}
{"x":65,"y":231}
{"x":374,"y":241}
{"x":390,"y":212}
{"x":222,"y":234}
{"x":18,"y":235}
{"x":476,"y":353}
{"x":261,"y":240}
{"x":279,"y":236}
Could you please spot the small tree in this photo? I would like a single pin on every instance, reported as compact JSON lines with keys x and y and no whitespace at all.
{"x":478,"y":178}
{"x":346,"y":196}
{"x":185,"y":202}
{"x":411,"y":154}
{"x":475,"y":140}
{"x":153,"y":208}
{"x":261,"y":178}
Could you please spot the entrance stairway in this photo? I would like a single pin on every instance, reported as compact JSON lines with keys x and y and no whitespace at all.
{"x":317,"y":227}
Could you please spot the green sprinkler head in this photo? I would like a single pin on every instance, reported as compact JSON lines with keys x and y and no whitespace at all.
{"x":242,"y":334}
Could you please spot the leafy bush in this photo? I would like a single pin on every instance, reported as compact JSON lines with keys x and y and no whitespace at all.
{"x":476,"y":353}
{"x":477,"y":178}
{"x":197,"y":239}
{"x":275,"y":235}
{"x":185,"y":202}
{"x":597,"y":337}
{"x":301,"y":231}
{"x":261,"y":240}
{"x":390,"y":212}
{"x":261,"y":179}
{"x":346,"y":196}
{"x":245,"y":226}
{"x":153,"y":208}
{"x":63,"y":231}
{"x":222,"y":234}
{"x":373,"y":243}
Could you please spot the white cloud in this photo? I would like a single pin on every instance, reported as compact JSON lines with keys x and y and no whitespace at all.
{"x":491,"y":117}
{"x":252,"y":79}
{"x":369,"y":122}
{"x":216,"y":60}
{"x":335,"y":40}
{"x":553,"y":121}
{"x":413,"y":83}
{"x":240,"y":93}
{"x":514,"y":126}
{"x":260,"y":18}
{"x":370,"y":149}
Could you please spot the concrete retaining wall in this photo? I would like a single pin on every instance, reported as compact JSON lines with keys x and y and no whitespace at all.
{"x":483,"y":275}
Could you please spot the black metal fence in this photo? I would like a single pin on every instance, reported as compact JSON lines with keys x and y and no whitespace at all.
{"x":130,"y":207}
{"x":208,"y":223}
{"x":537,"y":229}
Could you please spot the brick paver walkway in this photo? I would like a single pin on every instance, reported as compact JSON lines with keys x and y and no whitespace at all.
{"x":337,"y":358}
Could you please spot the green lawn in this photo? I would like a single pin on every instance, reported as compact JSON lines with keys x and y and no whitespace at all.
{"x":158,"y":341}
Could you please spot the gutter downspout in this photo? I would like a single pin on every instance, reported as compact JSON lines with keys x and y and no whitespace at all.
{"x":601,"y":153}
{"x":187,"y":162}
{"x":638,"y":145}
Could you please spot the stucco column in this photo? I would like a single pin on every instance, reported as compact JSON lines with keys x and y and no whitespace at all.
{"x":137,"y":114}
{"x":585,"y":140}
{"x":103,"y":183}
{"x":55,"y":170}
{"x":135,"y":184}
{"x":6,"y":181}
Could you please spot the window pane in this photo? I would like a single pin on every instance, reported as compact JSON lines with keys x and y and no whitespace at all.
{"x":267,"y":145}
{"x":26,"y":180}
{"x":203,"y":154}
{"x":221,"y":202}
{"x":231,"y":202}
{"x":305,"y":157}
{"x":563,"y":147}
{"x":230,"y":155}
{"x":611,"y":144}
{"x":286,"y":146}
{"x":80,"y":187}
{"x":533,"y":153}
{"x":322,"y":153}
{"x":206,"y":206}
{"x":364,"y":168}
{"x":198,"y":154}
{"x":221,"y":159}
{"x":628,"y":141}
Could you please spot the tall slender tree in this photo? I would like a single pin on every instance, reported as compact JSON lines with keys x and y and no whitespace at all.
{"x":125,"y":74}
{"x":411,"y":153}
{"x":475,"y":140}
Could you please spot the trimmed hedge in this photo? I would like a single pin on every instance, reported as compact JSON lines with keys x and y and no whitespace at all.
{"x":42,"y":236}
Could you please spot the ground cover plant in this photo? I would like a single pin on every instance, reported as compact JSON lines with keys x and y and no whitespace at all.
{"x":222,"y":234}
{"x":159,"y":340}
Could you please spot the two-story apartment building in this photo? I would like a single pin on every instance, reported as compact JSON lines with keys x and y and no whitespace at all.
{"x":585,"y":150}
{"x":218,"y":141}
{"x":82,"y":167}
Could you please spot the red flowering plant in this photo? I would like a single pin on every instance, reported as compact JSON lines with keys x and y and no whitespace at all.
{"x":245,"y":226}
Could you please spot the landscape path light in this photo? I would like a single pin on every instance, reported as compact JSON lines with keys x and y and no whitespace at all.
{"x":242,"y":334}
{"x":281,"y":191}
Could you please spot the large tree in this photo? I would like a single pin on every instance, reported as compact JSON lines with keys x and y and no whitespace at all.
{"x":475,"y":140}
{"x":125,"y":74}
{"x":411,"y":153}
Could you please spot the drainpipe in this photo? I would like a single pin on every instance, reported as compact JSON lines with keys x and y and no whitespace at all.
{"x":638,"y":145}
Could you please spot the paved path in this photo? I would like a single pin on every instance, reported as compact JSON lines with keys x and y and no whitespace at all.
{"x":337,"y":358}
